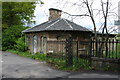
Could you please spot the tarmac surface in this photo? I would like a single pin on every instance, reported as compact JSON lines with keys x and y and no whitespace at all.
{"x":14,"y":66}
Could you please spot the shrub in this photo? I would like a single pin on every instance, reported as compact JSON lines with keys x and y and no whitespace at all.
{"x":10,"y":35}
{"x":20,"y":44}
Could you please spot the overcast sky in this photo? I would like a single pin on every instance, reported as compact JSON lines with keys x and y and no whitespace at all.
{"x":42,"y":12}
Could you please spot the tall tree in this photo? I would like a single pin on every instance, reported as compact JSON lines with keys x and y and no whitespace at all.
{"x":15,"y":15}
{"x":103,"y":11}
{"x":105,"y":15}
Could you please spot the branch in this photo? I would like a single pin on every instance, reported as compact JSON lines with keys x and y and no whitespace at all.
{"x":76,"y":15}
{"x":103,"y":9}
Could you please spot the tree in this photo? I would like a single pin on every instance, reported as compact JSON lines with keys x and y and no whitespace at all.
{"x":105,"y":11}
{"x":10,"y":36}
{"x":105,"y":15}
{"x":15,"y":15}
{"x":20,"y":44}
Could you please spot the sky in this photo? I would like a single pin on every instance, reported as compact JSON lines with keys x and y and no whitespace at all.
{"x":76,"y":7}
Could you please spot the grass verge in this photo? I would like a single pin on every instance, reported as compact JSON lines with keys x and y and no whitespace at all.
{"x":59,"y":62}
{"x":56,"y":62}
{"x":41,"y":57}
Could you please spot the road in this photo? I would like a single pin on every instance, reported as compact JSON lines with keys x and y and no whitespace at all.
{"x":14,"y":66}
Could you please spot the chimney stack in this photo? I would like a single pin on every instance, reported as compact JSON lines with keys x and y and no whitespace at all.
{"x":54,"y":14}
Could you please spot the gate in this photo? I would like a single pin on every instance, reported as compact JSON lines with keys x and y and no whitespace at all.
{"x":83,"y":52}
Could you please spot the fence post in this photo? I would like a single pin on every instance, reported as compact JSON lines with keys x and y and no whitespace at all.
{"x":96,"y":45}
{"x":99,"y":47}
{"x":69,"y":52}
{"x":116,"y":48}
{"x":106,"y":48}
{"x":90,"y":52}
{"x":77,"y":51}
{"x":113,"y":48}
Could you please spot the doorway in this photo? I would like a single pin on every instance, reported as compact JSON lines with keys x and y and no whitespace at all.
{"x":44,"y":41}
{"x":35,"y":44}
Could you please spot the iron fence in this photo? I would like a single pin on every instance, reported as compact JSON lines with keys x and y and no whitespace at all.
{"x":109,"y":49}
{"x":83,"y":51}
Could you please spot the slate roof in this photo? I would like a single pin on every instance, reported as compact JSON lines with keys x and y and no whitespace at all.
{"x":57,"y":25}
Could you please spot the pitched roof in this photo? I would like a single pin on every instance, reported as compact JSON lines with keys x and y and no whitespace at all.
{"x":57,"y":25}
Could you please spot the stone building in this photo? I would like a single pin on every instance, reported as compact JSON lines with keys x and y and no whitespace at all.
{"x":50,"y":36}
{"x":55,"y":29}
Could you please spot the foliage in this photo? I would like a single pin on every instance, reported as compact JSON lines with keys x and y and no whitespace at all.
{"x":41,"y":57}
{"x":118,"y":49}
{"x":10,"y":35}
{"x":59,"y":62}
{"x":114,"y":54}
{"x":118,"y":37}
{"x":15,"y":15}
{"x":20,"y":44}
{"x":118,"y":45}
{"x":26,"y":54}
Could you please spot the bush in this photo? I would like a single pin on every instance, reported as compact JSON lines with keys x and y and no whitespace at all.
{"x":20,"y":44}
{"x":11,"y":35}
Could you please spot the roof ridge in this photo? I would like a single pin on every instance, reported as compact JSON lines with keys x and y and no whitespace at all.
{"x":53,"y":23}
{"x":77,"y":24}
{"x":68,"y":23}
